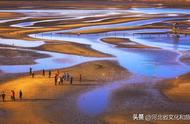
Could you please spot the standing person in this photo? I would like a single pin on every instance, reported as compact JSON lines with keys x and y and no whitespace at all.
{"x":68,"y":76}
{"x":71,"y":80}
{"x":56,"y":79}
{"x":64,"y":76}
{"x":13,"y":95}
{"x":3,"y":96}
{"x":43,"y":72}
{"x":49,"y":73}
{"x":20,"y":94}
{"x":59,"y":80}
{"x":30,"y":71}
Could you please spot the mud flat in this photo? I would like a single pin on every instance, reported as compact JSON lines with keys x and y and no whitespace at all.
{"x":177,"y":89}
{"x":72,"y":48}
{"x":40,"y":93}
{"x":155,"y":97}
{"x":185,"y":57}
{"x":19,"y":57}
{"x":124,"y":43}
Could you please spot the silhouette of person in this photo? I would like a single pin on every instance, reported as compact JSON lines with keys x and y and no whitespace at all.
{"x":3,"y":96}
{"x":61,"y":79}
{"x":30,"y":71}
{"x":67,"y":76}
{"x":71,"y":80}
{"x":13,"y":95}
{"x":43,"y":72}
{"x":20,"y":94}
{"x":56,"y":79}
{"x":49,"y":73}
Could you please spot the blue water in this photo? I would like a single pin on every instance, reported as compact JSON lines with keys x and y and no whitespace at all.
{"x":23,"y":24}
{"x":160,"y":10}
{"x":170,"y":43}
{"x":21,"y":43}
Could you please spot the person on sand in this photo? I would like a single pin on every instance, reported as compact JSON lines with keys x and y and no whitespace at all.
{"x":3,"y":96}
{"x":30,"y":71}
{"x":71,"y":80}
{"x":43,"y":72}
{"x":61,"y":79}
{"x":56,"y":79}
{"x":64,"y":76}
{"x":49,"y":73}
{"x":20,"y":94}
{"x":68,"y":76}
{"x":13,"y":95}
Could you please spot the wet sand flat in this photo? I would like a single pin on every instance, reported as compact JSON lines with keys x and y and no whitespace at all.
{"x":72,"y":48}
{"x":177,"y":89}
{"x":19,"y":57}
{"x":124,"y":43}
{"x":40,"y":92}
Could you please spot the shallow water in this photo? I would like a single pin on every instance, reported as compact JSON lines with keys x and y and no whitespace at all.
{"x":160,"y":10}
{"x":21,"y":43}
{"x":96,"y":101}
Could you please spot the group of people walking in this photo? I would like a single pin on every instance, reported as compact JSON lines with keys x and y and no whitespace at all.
{"x":58,"y":78}
{"x":12,"y":94}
